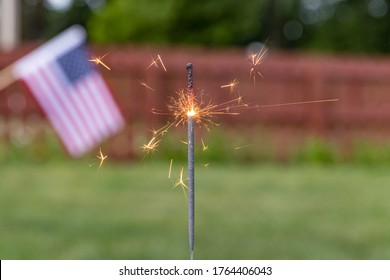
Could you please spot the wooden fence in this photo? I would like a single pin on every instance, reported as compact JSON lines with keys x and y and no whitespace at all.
{"x":362,"y":85}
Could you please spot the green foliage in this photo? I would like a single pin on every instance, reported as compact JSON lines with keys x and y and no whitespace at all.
{"x":237,"y":146}
{"x":316,"y":150}
{"x":123,"y":21}
{"x":177,"y":21}
{"x":41,"y":150}
{"x":359,"y":26}
{"x":333,"y":25}
{"x":351,"y":28}
{"x":369,"y":153}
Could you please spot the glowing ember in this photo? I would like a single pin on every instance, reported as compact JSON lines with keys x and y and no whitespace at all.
{"x":155,"y":62}
{"x":191,"y":113}
{"x":101,"y":157}
{"x":232,"y":85}
{"x":98,"y":60}
{"x":255,"y":60}
{"x":181,"y":183}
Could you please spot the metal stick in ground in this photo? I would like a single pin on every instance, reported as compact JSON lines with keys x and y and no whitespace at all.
{"x":191,"y":170}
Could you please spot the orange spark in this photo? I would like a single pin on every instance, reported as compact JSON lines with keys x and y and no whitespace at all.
{"x":162,"y":63}
{"x":145,"y":85}
{"x":151,"y":146}
{"x":255,"y":60}
{"x":101,"y":157}
{"x":181,"y":183}
{"x":155,"y":63}
{"x":98,"y":60}
{"x":297,"y":103}
{"x":241,"y":147}
{"x":233,"y":84}
{"x":204,"y":147}
{"x":170,"y":169}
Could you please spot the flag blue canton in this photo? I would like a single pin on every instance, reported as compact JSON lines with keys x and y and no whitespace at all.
{"x":75,"y":63}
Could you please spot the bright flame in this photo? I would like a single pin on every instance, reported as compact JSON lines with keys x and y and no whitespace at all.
{"x":191,"y":113}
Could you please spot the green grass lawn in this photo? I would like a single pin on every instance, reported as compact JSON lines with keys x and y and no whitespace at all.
{"x":73,"y":211}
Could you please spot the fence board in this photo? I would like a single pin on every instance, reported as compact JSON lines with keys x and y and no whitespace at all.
{"x":361,"y":84}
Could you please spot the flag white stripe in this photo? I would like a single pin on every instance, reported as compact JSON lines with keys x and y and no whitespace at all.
{"x":87,"y":95}
{"x":108,"y":99}
{"x":56,"y":106}
{"x":65,"y":103}
{"x":101,"y":106}
{"x":109,"y":121}
{"x":90,"y":112}
{"x":54,"y":113}
{"x":76,"y":106}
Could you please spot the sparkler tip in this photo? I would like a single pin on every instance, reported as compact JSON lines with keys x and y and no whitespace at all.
{"x":191,"y":113}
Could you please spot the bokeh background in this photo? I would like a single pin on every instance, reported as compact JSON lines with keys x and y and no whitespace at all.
{"x":306,"y":181}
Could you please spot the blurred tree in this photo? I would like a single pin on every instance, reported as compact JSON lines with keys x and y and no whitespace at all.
{"x":227,"y":22}
{"x":359,"y":26}
{"x":42,"y":19}
{"x":325,"y":25}
{"x":138,"y":21}
{"x":203,"y":22}
{"x":33,"y":23}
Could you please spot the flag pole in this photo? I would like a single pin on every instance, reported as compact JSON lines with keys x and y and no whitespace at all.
{"x":191,"y":174}
{"x":6,"y":77}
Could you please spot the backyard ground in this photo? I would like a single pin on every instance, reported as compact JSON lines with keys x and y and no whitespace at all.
{"x":69,"y":210}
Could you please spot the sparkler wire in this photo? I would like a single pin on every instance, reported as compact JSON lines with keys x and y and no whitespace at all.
{"x":191,"y":169}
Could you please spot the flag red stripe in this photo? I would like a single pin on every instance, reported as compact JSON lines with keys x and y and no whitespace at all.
{"x":61,"y":125}
{"x":109,"y":100}
{"x":76,"y":106}
{"x":101,"y":107}
{"x":89,"y":97}
{"x":60,"y":101}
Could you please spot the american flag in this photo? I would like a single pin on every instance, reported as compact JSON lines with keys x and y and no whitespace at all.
{"x":71,"y":92}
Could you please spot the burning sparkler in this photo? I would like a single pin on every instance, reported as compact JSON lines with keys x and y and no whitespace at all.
{"x":188,"y":108}
{"x":191,"y":113}
{"x":98,"y":60}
